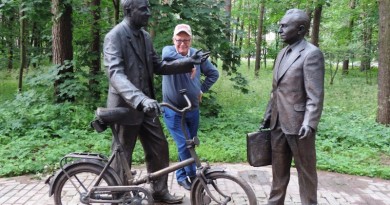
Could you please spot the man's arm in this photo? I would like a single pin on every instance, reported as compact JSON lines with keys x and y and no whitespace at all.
{"x":115,"y":65}
{"x":313,"y":74}
{"x":169,"y":66}
{"x":266,"y":121}
{"x":169,"y":54}
{"x":211,"y":73}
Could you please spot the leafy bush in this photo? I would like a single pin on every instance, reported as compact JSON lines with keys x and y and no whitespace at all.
{"x":35,"y":133}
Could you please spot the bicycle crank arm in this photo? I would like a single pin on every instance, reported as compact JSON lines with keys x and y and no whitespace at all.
{"x":126,"y":195}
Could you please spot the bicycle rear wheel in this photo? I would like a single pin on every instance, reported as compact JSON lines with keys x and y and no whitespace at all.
{"x":226,"y":188}
{"x":83,"y":177}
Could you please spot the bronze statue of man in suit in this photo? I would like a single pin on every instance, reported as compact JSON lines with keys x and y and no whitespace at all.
{"x":131,"y":62}
{"x":294,"y":109}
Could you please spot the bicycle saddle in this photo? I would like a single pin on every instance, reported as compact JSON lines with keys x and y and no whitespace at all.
{"x":107,"y":116}
{"x":111,"y":115}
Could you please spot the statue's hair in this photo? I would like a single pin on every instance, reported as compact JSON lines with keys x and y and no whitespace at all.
{"x":126,"y":5}
{"x":300,"y":17}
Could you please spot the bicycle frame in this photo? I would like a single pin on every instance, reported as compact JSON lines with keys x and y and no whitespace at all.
{"x":118,"y":152}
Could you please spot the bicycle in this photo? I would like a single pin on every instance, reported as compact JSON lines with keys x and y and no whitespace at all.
{"x":90,"y":176}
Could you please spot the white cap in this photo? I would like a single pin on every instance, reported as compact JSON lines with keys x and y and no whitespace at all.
{"x":182,"y":28}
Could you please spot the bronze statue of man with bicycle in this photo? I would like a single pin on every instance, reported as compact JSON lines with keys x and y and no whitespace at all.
{"x":131,"y":63}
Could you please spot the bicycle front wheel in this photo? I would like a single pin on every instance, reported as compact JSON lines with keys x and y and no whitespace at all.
{"x":225,"y":188}
{"x":81,"y":179}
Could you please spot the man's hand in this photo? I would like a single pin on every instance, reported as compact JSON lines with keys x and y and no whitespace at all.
{"x":305,"y":131}
{"x":150,"y":105}
{"x":199,"y":57}
{"x":200,"y":96}
{"x":193,"y":73}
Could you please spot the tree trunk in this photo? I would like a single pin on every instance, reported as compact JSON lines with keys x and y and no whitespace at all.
{"x":11,"y":45}
{"x":238,"y":32}
{"x":35,"y":43}
{"x":265,"y":55}
{"x":316,"y":25}
{"x":10,"y":58}
{"x":228,"y":13}
{"x":22,"y":45}
{"x":309,"y":12}
{"x":249,"y":36}
{"x":116,"y":10}
{"x":367,"y":35}
{"x":345,"y":65}
{"x":153,"y":24}
{"x":383,"y":115}
{"x":241,"y":38}
{"x":259,"y":39}
{"x":248,"y":43}
{"x":352,"y":5}
{"x":7,"y":38}
{"x":95,"y":50}
{"x":62,"y":46}
{"x":235,"y":41}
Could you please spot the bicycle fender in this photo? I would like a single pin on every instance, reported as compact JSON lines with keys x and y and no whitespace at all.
{"x":214,"y":169}
{"x":209,"y":171}
{"x":53,"y":179}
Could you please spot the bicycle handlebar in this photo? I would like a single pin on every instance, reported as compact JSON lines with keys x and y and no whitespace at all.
{"x":188,"y":107}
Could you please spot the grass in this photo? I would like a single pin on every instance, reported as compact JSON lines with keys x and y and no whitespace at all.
{"x":8,"y":86}
{"x":348,"y":140}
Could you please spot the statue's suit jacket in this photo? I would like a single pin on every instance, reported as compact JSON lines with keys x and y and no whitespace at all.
{"x":297,"y":89}
{"x":127,"y":70}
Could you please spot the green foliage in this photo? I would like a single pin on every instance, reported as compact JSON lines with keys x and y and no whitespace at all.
{"x":32,"y":129}
{"x":8,"y":86}
{"x":338,"y":39}
{"x":208,"y":22}
{"x":35,"y":133}
{"x":347,"y":146}
{"x":37,"y":13}
{"x":210,"y":105}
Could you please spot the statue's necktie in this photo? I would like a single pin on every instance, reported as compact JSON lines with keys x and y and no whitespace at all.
{"x":283,"y":61}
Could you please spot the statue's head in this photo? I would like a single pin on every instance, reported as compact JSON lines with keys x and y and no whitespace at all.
{"x":138,"y":11}
{"x":293,"y":26}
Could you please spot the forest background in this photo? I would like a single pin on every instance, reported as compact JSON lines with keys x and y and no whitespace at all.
{"x":52,"y":79}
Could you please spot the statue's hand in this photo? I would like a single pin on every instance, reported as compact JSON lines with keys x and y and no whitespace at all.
{"x":150,"y":105}
{"x":305,"y":131}
{"x":199,"y":57}
{"x":265,"y":124}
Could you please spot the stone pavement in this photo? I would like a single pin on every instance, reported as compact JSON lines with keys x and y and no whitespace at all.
{"x":334,"y":189}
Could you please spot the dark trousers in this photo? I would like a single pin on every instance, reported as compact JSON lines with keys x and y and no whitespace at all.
{"x":284,"y":148}
{"x":155,"y":147}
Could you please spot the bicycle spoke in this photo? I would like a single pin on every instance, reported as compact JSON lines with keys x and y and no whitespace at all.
{"x":223,"y":189}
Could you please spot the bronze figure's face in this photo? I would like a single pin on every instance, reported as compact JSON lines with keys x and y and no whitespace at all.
{"x":140,"y":13}
{"x":289,"y":29}
{"x":293,"y":26}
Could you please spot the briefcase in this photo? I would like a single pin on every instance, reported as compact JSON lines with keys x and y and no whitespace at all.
{"x":259,"y":152}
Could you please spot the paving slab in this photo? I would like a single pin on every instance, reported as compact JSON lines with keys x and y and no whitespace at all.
{"x":333,"y":188}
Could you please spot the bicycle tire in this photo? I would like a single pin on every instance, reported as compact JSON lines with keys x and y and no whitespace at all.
{"x":66,"y":193}
{"x":236,"y":188}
